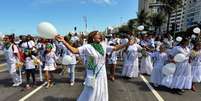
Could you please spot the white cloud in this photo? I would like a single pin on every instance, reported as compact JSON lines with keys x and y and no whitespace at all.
{"x":107,"y":1}
{"x":83,"y":2}
{"x":45,"y":2}
{"x":103,"y":1}
{"x":50,"y":2}
{"x":98,"y":1}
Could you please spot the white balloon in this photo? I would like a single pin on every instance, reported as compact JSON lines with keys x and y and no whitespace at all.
{"x":46,"y":30}
{"x":1,"y":36}
{"x":67,"y":59}
{"x":110,"y":28}
{"x":180,"y":57}
{"x":179,"y":39}
{"x":141,"y":27}
{"x":196,"y":30}
{"x":193,"y":36}
{"x":144,"y":32}
{"x":169,"y":69}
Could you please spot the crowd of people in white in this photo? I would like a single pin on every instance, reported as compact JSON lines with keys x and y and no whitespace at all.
{"x":144,"y":54}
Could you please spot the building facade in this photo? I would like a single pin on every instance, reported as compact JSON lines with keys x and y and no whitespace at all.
{"x":151,"y":6}
{"x":176,"y":19}
{"x":192,"y":13}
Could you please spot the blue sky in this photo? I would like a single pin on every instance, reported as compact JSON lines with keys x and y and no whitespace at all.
{"x":23,"y":16}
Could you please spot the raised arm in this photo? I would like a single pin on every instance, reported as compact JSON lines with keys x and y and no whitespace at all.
{"x":71,"y":48}
{"x":118,"y":47}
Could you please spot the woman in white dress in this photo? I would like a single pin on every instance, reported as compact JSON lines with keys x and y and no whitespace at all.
{"x":131,"y":63}
{"x":196,"y":64}
{"x":12,"y":55}
{"x":96,"y":87}
{"x":182,"y":78}
{"x":146,"y":64}
{"x":160,"y":59}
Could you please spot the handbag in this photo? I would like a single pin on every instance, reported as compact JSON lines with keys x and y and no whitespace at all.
{"x":90,"y":81}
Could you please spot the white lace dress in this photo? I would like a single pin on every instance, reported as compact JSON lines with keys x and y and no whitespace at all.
{"x":182,"y":78}
{"x":131,"y":62}
{"x":100,"y":91}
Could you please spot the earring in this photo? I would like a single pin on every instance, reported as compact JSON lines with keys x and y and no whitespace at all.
{"x":93,"y":40}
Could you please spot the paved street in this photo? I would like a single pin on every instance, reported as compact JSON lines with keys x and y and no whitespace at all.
{"x":162,"y":36}
{"x":119,"y":90}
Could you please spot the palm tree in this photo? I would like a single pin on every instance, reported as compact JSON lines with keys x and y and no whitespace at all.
{"x":132,"y":23}
{"x":157,"y":21}
{"x":124,"y":28}
{"x":169,"y":6}
{"x":142,"y":17}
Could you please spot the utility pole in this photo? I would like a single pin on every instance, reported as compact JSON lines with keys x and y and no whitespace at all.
{"x":121,"y":21}
{"x":85,"y":22}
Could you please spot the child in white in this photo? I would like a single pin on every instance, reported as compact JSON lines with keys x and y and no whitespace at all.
{"x":29,"y":67}
{"x":112,"y":61}
{"x":160,"y":59}
{"x":50,"y":64}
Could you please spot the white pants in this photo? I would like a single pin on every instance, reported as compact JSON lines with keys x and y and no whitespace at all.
{"x":12,"y":70}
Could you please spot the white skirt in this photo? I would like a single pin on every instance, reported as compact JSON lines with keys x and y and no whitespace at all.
{"x":131,"y":69}
{"x":98,"y":93}
{"x":156,"y":75}
{"x":182,"y":78}
{"x":167,"y":81}
{"x":146,"y":65}
{"x":50,"y":67}
{"x":196,"y":73}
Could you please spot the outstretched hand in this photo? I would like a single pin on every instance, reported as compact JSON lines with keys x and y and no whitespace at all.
{"x":59,"y":38}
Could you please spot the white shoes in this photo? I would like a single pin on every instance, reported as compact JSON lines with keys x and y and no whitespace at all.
{"x":72,"y":83}
{"x":17,"y":84}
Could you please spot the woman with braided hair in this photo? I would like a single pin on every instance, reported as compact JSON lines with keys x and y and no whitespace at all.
{"x":96,"y":87}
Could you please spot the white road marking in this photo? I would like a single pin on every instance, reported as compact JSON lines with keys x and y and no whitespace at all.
{"x":33,"y":92}
{"x":152,"y":89}
{"x":4,"y":69}
{"x":3,"y":64}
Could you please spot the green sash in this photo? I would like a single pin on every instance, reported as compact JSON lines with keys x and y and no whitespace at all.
{"x":98,"y":47}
